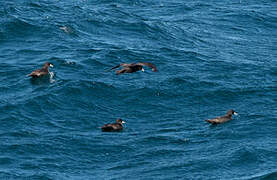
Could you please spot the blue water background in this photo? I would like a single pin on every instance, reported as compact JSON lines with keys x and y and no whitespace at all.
{"x":211,"y":55}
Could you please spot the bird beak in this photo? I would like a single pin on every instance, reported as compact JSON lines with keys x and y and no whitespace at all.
{"x":236,"y":113}
{"x":123,"y":122}
{"x":142,"y":70}
{"x":51,"y":65}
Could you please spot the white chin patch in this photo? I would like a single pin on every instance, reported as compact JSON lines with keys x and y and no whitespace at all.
{"x":236,"y":113}
{"x":51,"y":65}
{"x":123,"y":122}
{"x":142,"y":70}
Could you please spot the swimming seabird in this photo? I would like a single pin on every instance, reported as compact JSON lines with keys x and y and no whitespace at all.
{"x":41,"y":72}
{"x":133,"y":67}
{"x":222,"y":119}
{"x":113,"y":126}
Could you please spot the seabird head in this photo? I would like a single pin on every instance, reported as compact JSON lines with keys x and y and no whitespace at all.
{"x":48,"y":64}
{"x":120,"y":121}
{"x":231,"y":112}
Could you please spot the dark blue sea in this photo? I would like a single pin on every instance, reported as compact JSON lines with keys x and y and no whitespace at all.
{"x":211,"y":56}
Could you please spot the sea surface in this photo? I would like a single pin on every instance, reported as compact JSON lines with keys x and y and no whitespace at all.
{"x":211,"y":56}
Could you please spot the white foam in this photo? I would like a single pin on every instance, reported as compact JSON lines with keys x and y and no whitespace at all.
{"x":66,"y":29}
{"x":52,"y":80}
{"x":70,"y":62}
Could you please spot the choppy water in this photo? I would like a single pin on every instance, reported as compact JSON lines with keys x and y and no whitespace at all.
{"x":212,"y":56}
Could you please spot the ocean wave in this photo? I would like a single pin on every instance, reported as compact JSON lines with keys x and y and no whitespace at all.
{"x":19,"y":27}
{"x":263,"y":175}
{"x":211,"y":56}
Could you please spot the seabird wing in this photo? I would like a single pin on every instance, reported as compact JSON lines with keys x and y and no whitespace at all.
{"x":126,"y":64}
{"x":35,"y":73}
{"x":117,"y":66}
{"x":109,"y":127}
{"x":122,"y":64}
{"x":212,"y":121}
{"x":218,"y":120}
{"x":152,"y":66}
{"x":122,"y":71}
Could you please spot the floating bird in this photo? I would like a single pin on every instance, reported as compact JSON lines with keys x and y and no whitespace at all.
{"x":41,"y":72}
{"x":66,"y":29}
{"x":133,"y":67}
{"x":113,"y":126}
{"x":222,"y":119}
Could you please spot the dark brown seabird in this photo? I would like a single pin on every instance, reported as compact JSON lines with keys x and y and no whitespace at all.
{"x":222,"y":119}
{"x":113,"y":126}
{"x":41,"y":72}
{"x":134,"y":67}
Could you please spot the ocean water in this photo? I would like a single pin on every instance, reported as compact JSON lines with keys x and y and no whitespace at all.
{"x":211,"y":56}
